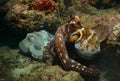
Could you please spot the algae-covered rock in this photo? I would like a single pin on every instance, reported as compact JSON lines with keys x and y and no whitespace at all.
{"x":42,"y":72}
{"x":69,"y":77}
{"x":23,"y":19}
{"x":16,"y":67}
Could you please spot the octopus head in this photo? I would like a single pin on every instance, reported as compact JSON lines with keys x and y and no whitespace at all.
{"x":75,"y":23}
{"x":86,"y":41}
{"x":74,"y":20}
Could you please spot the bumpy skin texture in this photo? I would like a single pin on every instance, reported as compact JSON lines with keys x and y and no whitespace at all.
{"x":88,"y":44}
{"x":58,"y":49}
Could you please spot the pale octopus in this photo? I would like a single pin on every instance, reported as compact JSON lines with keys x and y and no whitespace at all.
{"x":86,"y":44}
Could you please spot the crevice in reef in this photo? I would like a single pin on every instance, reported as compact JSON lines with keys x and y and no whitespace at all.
{"x":105,"y":4}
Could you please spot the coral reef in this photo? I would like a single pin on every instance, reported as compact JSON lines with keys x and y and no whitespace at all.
{"x":16,"y":67}
{"x":22,"y":19}
{"x":48,"y":73}
{"x":44,"y":5}
{"x":116,"y":32}
{"x":16,"y":16}
{"x":114,"y":26}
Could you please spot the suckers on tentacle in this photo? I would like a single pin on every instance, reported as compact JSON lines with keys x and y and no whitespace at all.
{"x":62,"y":35}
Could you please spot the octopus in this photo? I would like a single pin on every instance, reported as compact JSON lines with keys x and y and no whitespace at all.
{"x":85,"y":41}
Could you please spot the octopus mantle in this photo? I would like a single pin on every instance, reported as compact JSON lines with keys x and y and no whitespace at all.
{"x":86,"y":43}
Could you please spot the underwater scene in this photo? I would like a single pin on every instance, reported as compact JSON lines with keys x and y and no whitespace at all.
{"x":59,"y":40}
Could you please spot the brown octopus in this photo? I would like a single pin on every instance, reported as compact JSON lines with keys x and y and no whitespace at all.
{"x":86,"y":42}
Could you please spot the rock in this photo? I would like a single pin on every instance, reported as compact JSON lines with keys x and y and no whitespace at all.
{"x":22,"y":19}
{"x":16,"y":67}
{"x":35,"y":42}
{"x":72,"y":76}
{"x":114,"y":28}
{"x":116,"y":32}
{"x":42,"y":72}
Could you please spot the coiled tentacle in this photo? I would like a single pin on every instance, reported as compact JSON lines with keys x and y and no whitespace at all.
{"x":61,"y":37}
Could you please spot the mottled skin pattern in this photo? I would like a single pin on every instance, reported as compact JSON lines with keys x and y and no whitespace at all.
{"x":57,"y":48}
{"x":87,"y":44}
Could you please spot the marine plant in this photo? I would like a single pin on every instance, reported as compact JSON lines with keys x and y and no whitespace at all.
{"x":43,"y":5}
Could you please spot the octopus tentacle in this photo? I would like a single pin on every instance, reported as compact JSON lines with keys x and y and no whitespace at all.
{"x":60,"y":38}
{"x":57,"y":46}
{"x":70,"y":63}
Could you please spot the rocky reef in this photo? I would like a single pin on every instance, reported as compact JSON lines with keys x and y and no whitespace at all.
{"x":16,"y":16}
{"x":16,"y":67}
{"x":22,"y":18}
{"x":25,"y":19}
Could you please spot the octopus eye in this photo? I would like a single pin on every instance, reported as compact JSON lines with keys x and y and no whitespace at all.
{"x":74,"y":37}
{"x":77,"y":35}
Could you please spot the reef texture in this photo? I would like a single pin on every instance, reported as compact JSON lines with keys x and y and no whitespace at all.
{"x":20,"y":18}
{"x":48,"y":73}
{"x":114,"y":25}
{"x":27,"y":15}
{"x":29,"y":20}
{"x":24,"y":19}
{"x":16,"y":67}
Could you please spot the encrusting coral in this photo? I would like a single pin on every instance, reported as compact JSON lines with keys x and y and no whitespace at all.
{"x":43,"y":5}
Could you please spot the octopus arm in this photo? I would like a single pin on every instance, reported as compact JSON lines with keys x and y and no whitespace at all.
{"x":70,"y":63}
